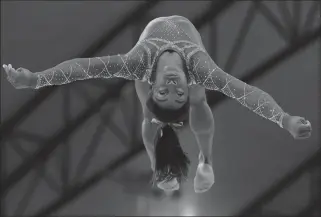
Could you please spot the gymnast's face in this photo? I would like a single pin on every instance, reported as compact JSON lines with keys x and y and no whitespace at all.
{"x":170,"y":89}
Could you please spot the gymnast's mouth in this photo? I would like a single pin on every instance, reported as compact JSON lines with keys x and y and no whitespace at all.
{"x":171,"y":75}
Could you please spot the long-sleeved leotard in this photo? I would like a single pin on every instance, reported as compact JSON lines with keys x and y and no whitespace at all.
{"x":212,"y":77}
{"x":167,"y":33}
{"x":130,"y":66}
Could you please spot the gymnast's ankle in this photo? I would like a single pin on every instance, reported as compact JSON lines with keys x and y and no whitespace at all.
{"x":204,"y":159}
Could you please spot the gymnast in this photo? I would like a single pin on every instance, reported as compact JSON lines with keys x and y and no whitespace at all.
{"x":171,"y":69}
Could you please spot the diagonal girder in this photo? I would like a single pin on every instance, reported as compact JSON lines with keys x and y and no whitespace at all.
{"x":26,"y":197}
{"x":297,"y":16}
{"x":286,"y":16}
{"x":273,"y":20}
{"x":8,"y":125}
{"x":240,"y":38}
{"x":64,"y":161}
{"x":53,"y":142}
{"x":312,"y":14}
{"x":40,"y":171}
{"x":81,"y":187}
{"x":309,"y":209}
{"x":212,"y":12}
{"x":92,"y":147}
{"x":262,"y":69}
{"x":288,"y":179}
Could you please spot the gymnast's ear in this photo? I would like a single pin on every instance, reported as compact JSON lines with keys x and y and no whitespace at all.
{"x":151,"y":93}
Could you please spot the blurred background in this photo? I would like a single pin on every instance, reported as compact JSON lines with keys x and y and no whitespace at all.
{"x":77,"y":150}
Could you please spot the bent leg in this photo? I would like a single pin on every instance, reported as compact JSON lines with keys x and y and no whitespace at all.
{"x":202,"y":125}
{"x":148,"y":135}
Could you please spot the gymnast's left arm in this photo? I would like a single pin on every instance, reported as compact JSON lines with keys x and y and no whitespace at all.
{"x":213,"y":77}
{"x":130,"y":66}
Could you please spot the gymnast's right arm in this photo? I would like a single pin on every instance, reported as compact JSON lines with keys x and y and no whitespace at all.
{"x":130,"y":66}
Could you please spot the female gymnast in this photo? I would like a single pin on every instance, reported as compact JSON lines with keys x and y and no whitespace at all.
{"x":171,"y":69}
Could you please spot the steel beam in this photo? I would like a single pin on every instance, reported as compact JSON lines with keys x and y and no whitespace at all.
{"x":53,"y":142}
{"x":212,"y":12}
{"x":273,"y":20}
{"x":239,"y":41}
{"x":276,"y":188}
{"x":82,"y":187}
{"x":263,"y":69}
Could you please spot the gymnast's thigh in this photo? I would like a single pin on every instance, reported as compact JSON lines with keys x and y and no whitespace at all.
{"x":150,"y":27}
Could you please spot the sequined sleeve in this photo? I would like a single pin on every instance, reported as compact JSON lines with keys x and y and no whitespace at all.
{"x":208,"y":74}
{"x":131,"y":66}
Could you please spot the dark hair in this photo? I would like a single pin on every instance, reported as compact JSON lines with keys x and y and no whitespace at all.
{"x":171,"y":161}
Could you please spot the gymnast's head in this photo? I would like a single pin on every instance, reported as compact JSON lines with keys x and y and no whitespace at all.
{"x":170,"y":88}
{"x":169,"y":96}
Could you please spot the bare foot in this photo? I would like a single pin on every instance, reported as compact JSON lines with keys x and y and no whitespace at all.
{"x":204,"y":178}
{"x":172,"y":185}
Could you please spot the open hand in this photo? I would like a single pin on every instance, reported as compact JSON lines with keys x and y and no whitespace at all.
{"x":299,"y":127}
{"x":20,"y":78}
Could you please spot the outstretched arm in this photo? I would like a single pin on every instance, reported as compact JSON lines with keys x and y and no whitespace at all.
{"x":129,"y":66}
{"x":212,"y":77}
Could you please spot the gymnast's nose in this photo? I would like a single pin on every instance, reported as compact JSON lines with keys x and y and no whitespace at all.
{"x":171,"y":82}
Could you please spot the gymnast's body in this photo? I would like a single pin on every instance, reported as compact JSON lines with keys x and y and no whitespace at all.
{"x":171,"y":70}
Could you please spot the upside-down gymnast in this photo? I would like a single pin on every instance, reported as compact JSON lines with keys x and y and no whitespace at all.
{"x":171,"y":69}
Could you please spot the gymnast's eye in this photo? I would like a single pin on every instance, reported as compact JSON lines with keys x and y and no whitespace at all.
{"x":162,"y":92}
{"x":180,"y":93}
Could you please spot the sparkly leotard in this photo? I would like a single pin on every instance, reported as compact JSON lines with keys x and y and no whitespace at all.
{"x":167,"y":33}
